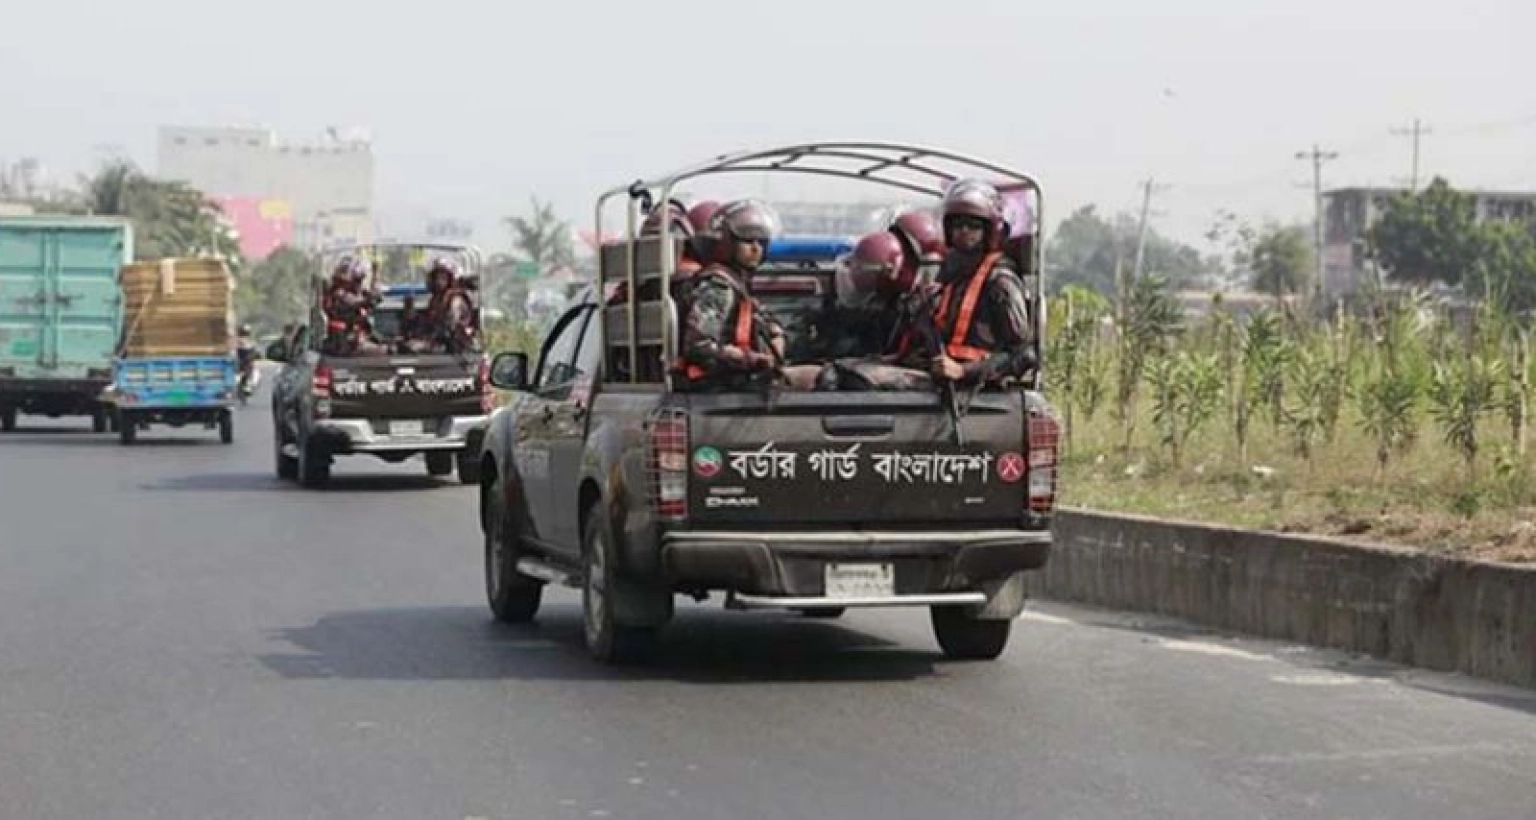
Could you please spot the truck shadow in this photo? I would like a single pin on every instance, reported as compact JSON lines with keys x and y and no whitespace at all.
{"x":267,"y":482}
{"x":699,"y":646}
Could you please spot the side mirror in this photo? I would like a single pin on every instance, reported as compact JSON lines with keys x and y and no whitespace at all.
{"x":277,"y":352}
{"x":509,"y":371}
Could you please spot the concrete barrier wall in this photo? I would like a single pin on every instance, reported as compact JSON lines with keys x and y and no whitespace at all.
{"x":1422,"y":610}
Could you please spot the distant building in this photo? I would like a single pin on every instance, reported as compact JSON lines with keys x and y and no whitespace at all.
{"x":325,"y":186}
{"x":1348,"y":213}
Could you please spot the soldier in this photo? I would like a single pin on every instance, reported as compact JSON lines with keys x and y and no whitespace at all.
{"x":726,"y":337}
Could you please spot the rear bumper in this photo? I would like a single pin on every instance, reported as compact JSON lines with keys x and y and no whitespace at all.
{"x":53,"y":395}
{"x":364,"y":436}
{"x":792,"y":564}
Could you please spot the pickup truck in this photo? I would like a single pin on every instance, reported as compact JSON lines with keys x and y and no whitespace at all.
{"x":60,"y":315}
{"x":392,"y":406}
{"x":599,"y":474}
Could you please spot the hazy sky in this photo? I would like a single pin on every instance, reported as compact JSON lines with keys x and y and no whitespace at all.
{"x":475,"y":105}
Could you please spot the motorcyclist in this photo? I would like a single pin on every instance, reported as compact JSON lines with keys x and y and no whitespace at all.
{"x":726,"y":336}
{"x":982,"y":317}
{"x":245,"y":356}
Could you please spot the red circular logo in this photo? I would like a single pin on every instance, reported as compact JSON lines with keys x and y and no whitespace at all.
{"x":1010,"y":467}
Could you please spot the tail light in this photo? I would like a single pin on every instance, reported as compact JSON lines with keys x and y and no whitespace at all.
{"x":667,"y":463}
{"x":320,"y":383}
{"x":483,"y":379}
{"x":320,"y":387}
{"x":1044,"y":437}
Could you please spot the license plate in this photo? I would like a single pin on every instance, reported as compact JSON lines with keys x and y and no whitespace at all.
{"x":411,"y":427}
{"x":860,"y":580}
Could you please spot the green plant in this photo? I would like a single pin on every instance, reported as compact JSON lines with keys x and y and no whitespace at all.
{"x":1186,"y":390}
{"x":1459,"y":396}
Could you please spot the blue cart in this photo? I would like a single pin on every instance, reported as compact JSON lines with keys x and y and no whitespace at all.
{"x":176,"y":392}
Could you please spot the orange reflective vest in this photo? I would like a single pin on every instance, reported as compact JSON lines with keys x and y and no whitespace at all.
{"x":957,"y":348}
{"x":741,"y":338}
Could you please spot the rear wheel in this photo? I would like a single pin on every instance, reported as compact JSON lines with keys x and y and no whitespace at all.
{"x":8,"y":420}
{"x":227,"y":427}
{"x":287,"y":466}
{"x":469,"y":468}
{"x":439,"y":464}
{"x":127,"y":428}
{"x":965,"y":637}
{"x":513,"y":596}
{"x":608,"y":640}
{"x":314,"y":463}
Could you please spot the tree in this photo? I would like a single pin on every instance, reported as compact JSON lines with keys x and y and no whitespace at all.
{"x":542,"y":237}
{"x":275,"y":290}
{"x":1427,"y":237}
{"x":1280,"y":259}
{"x":1505,"y":271}
{"x":169,"y":218}
{"x":1085,"y":248}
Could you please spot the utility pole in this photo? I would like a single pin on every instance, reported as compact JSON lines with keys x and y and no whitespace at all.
{"x":1415,"y":131}
{"x":1148,"y":187}
{"x":1318,"y":156}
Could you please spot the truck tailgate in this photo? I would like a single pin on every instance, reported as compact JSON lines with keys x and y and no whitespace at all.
{"x":405,"y":387}
{"x":854,"y":459}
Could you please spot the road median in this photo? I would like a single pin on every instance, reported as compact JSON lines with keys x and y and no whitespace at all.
{"x":1410,"y":607}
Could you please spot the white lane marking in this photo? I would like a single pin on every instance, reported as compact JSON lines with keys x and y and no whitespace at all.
{"x":1449,"y":750}
{"x":1043,"y":618}
{"x":1207,"y":648}
{"x":1325,"y":679}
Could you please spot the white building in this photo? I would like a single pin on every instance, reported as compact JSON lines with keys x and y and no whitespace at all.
{"x":327,"y":183}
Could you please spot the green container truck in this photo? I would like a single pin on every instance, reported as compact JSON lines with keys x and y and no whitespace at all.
{"x":61,"y":313}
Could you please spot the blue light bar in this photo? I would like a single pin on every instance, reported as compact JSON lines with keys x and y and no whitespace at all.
{"x":401,"y":291}
{"x":808,"y":248}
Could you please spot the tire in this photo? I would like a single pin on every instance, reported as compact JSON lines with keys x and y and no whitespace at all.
{"x":287,"y":466}
{"x":314,"y":464}
{"x":469,"y":468}
{"x":227,"y":427}
{"x":608,"y":641}
{"x":127,"y":428}
{"x":824,"y":613}
{"x":99,"y":420}
{"x":8,"y":420}
{"x":439,"y":464}
{"x":513,"y":596}
{"x":965,"y":638}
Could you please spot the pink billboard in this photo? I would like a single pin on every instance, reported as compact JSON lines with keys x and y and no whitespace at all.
{"x":264,"y":224}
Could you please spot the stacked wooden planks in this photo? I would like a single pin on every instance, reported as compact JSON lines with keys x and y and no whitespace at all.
{"x":176,"y":307}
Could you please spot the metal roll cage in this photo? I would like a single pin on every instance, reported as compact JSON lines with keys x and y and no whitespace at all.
{"x":910,"y":168}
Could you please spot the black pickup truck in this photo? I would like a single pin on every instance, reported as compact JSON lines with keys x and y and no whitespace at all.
{"x":800,"y":500}
{"x":390,"y":406}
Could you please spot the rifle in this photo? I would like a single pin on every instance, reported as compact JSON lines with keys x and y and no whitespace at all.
{"x":918,"y":314}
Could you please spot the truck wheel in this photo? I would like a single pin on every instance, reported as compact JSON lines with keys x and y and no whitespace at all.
{"x":608,"y":641}
{"x":227,"y":427}
{"x":314,"y":463}
{"x":439,"y":464}
{"x":513,"y":596}
{"x":127,"y":428}
{"x":469,"y":468}
{"x":287,"y":466}
{"x":963,"y":637}
{"x":99,"y":420}
{"x":8,"y":420}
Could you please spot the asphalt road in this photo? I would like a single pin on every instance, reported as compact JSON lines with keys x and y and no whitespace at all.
{"x":182,"y":636}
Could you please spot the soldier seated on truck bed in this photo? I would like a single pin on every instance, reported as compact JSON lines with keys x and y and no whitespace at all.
{"x":727,"y":339}
{"x":346,"y":305}
{"x":982,"y":319}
